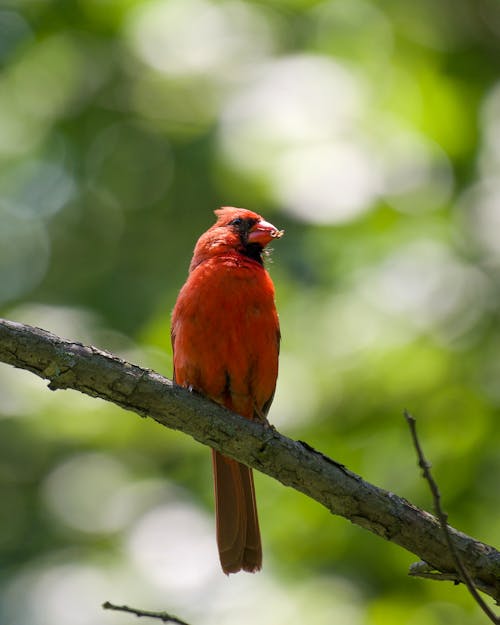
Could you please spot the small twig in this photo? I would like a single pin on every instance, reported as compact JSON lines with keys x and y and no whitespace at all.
{"x":162,"y":616}
{"x":425,"y":570}
{"x":443,"y":520}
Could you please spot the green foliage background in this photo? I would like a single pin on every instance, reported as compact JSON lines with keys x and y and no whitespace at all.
{"x":370,"y":131}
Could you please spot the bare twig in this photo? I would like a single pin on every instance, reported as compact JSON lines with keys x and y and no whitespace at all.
{"x":424,"y":570}
{"x":161,"y":616}
{"x":99,"y":374}
{"x":460,"y":569}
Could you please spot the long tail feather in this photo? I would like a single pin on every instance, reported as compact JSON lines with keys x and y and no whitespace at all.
{"x":238,"y":534}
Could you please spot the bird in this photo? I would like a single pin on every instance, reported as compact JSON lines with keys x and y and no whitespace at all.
{"x":225,"y":337}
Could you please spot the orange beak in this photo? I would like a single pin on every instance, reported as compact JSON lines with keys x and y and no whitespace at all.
{"x":263,"y":232}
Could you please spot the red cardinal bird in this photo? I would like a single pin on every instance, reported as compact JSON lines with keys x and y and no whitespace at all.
{"x":225,"y":339}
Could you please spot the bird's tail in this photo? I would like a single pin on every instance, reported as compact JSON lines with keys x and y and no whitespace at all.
{"x":238,"y":534}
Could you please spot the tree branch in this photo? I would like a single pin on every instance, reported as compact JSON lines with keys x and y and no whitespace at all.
{"x":295,"y":464}
{"x":164,"y":617}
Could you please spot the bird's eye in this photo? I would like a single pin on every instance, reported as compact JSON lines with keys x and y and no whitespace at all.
{"x":236,"y":222}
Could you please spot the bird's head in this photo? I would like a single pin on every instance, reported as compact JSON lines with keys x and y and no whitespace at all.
{"x":236,"y":230}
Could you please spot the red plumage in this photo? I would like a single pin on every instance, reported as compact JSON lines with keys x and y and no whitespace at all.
{"x":225,"y":339}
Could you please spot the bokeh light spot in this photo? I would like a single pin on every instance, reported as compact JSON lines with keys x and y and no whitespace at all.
{"x":24,"y":254}
{"x":174,"y":547}
{"x":183,"y":37}
{"x":81,"y":492}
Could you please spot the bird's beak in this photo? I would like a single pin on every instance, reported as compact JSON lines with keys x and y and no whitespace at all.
{"x":263,"y":232}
